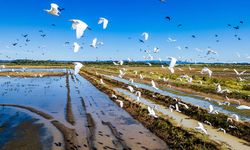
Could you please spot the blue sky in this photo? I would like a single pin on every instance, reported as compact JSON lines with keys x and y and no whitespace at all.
{"x":128,"y":18}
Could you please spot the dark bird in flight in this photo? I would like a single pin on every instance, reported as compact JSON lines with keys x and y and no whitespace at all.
{"x":41,"y":31}
{"x":229,"y":25}
{"x":239,"y":39}
{"x":186,"y":47}
{"x":217,"y":41}
{"x":216,"y":35}
{"x":162,"y":1}
{"x":43,"y":35}
{"x":235,"y":35}
{"x":168,"y":18}
{"x":24,"y":35}
{"x":193,"y":36}
{"x":14,"y":44}
{"x":140,"y":40}
{"x":61,"y":9}
{"x":179,"y":25}
{"x":53,"y":25}
{"x":236,"y":27}
{"x":27,"y":40}
{"x":241,"y":22}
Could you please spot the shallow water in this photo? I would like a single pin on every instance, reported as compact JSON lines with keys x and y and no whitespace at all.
{"x":49,"y":94}
{"x":188,"y":98}
{"x":11,"y":119}
{"x":32,"y":70}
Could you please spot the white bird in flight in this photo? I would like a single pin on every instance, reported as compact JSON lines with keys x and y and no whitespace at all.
{"x":145,"y":36}
{"x":201,"y":128}
{"x":206,"y":70}
{"x":76,"y":47}
{"x":152,"y":112}
{"x":53,"y":10}
{"x":121,"y":103}
{"x":172,"y":64}
{"x":171,"y":40}
{"x":79,"y":26}
{"x":239,"y":74}
{"x":104,"y":22}
{"x":78,"y":66}
{"x":153,"y":85}
{"x":243,"y":107}
{"x":211,"y":109}
{"x":94,"y":43}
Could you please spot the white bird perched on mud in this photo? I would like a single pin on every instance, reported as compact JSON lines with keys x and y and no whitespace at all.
{"x":172,"y":64}
{"x":76,"y":47}
{"x":221,"y":129}
{"x":120,"y":102}
{"x":104,"y":22}
{"x":78,"y":66}
{"x":94,"y":43}
{"x":206,"y":70}
{"x":171,"y":107}
{"x":149,"y":64}
{"x":243,"y":107}
{"x":131,"y":89}
{"x":79,"y":26}
{"x":152,"y":112}
{"x":53,"y":10}
{"x":145,"y":36}
{"x":239,"y":74}
{"x":153,"y":85}
{"x":201,"y":128}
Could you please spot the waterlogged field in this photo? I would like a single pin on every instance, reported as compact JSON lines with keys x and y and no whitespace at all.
{"x":60,"y":110}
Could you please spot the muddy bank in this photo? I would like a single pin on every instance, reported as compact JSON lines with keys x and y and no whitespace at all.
{"x":70,"y":136}
{"x":175,"y":137}
{"x":31,"y":74}
{"x":194,"y":112}
{"x":69,"y":113}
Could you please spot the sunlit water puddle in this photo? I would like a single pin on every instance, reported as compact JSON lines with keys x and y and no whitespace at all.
{"x":188,"y":98}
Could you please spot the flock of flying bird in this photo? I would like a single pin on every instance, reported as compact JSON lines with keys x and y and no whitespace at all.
{"x":80,"y":27}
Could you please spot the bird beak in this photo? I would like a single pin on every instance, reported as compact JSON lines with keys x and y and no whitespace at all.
{"x":89,"y":28}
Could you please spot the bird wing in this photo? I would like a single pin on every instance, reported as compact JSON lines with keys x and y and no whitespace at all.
{"x":80,"y":28}
{"x":172,"y":62}
{"x":236,"y":71}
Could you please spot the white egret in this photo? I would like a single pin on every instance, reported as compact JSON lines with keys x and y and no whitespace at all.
{"x":104,"y":22}
{"x":53,"y":10}
{"x":121,"y":103}
{"x":201,"y":128}
{"x":145,"y":36}
{"x":153,"y":85}
{"x":94,"y":43}
{"x":152,"y":112}
{"x":78,"y":66}
{"x":79,"y":26}
{"x":172,"y":64}
{"x":243,"y":107}
{"x":206,"y":70}
{"x":76,"y":47}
